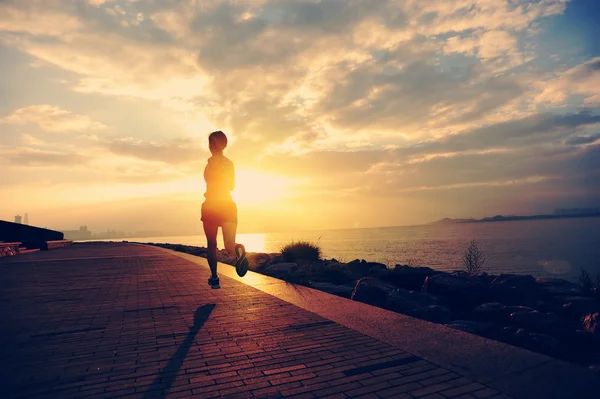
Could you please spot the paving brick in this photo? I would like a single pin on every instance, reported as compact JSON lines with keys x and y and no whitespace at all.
{"x":429,"y":389}
{"x":433,"y":396}
{"x":463,"y":389}
{"x":393,"y":392}
{"x":485,"y":393}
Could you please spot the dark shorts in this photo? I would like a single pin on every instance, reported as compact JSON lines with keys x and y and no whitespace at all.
{"x":219,"y":212}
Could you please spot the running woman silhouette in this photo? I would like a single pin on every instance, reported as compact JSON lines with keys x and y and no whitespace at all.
{"x":219,"y":209}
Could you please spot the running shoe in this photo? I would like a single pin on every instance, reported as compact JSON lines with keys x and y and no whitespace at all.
{"x":214,"y":283}
{"x":241,"y":263}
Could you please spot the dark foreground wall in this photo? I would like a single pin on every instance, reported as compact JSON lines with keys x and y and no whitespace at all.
{"x":23,"y":233}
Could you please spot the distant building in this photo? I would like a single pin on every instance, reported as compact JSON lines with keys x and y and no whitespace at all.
{"x":82,"y":234}
{"x":26,"y":219}
{"x":18,"y":219}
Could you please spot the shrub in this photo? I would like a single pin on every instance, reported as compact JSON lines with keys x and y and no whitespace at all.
{"x":588,"y":285}
{"x":473,"y":258}
{"x":300,"y":251}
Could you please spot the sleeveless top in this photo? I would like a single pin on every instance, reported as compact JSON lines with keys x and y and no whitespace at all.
{"x":220,"y":179}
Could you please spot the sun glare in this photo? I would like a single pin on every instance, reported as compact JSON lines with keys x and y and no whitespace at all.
{"x":254,"y":187}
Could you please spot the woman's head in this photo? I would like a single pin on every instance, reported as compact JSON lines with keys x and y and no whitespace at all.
{"x":217,"y":141}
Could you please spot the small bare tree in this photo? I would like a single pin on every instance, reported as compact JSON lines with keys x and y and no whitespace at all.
{"x":473,"y":258}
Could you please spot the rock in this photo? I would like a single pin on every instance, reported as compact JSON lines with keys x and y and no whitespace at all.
{"x":543,"y":343}
{"x":533,"y":318}
{"x":340,"y":290}
{"x":459,"y":290}
{"x":514,"y":309}
{"x":436,"y":314}
{"x":411,"y":278}
{"x":410,"y":302}
{"x":486,"y":278}
{"x":512,"y":289}
{"x":260,"y":260}
{"x":473,"y":327}
{"x":508,"y":333}
{"x":591,"y":324}
{"x":365,"y":268}
{"x":585,"y":341}
{"x":281,"y":269}
{"x":546,"y":323}
{"x":492,"y":312}
{"x":578,"y":306}
{"x":521,"y":333}
{"x":550,"y":286}
{"x":372,"y":291}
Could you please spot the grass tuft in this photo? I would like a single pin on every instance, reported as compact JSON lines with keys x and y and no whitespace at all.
{"x":300,"y":251}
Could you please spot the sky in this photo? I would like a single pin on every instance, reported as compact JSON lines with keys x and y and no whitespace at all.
{"x":339,"y":114}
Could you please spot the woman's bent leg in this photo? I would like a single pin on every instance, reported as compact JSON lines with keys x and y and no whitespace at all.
{"x":229,"y":231}
{"x":211,"y":230}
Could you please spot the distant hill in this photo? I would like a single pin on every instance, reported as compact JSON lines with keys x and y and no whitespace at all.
{"x":452,"y":221}
{"x":595,"y":212}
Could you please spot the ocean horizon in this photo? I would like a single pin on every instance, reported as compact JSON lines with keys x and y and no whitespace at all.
{"x":555,"y":248}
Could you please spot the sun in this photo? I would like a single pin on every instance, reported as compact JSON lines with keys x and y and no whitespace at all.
{"x":253,"y":187}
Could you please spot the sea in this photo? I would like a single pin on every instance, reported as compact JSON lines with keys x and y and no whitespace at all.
{"x":551,"y":248}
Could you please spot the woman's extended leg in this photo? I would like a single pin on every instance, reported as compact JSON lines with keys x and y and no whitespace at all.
{"x":211,"y":230}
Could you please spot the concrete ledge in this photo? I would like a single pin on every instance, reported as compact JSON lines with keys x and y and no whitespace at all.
{"x":515,"y":371}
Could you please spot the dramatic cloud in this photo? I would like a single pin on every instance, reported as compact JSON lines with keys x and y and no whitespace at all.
{"x":29,"y":157}
{"x":174,"y":152}
{"x":52,"y":119}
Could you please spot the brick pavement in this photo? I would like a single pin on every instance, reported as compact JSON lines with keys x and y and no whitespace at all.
{"x":132,"y":321}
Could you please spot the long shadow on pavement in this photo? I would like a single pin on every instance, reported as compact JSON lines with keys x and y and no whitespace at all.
{"x":162,"y":383}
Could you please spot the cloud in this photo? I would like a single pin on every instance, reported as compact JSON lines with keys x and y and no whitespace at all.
{"x":580,"y":140}
{"x":29,"y":157}
{"x":583,"y":79}
{"x":173,"y":152}
{"x":52,"y":119}
{"x":37,"y":18}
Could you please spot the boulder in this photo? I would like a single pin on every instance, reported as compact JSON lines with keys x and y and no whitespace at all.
{"x":512,"y":289}
{"x":508,"y":333}
{"x":486,"y":278}
{"x":281,"y":269}
{"x":259,"y":260}
{"x":550,"y":286}
{"x":491,"y":312}
{"x":473,"y":327}
{"x":591,"y":324}
{"x":459,"y":290}
{"x":412,"y":303}
{"x":372,"y":291}
{"x":411,"y":278}
{"x":340,"y":290}
{"x":515,"y":309}
{"x":435,"y":314}
{"x":365,"y":268}
{"x":543,"y":343}
{"x":546,"y":323}
{"x":578,"y":306}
